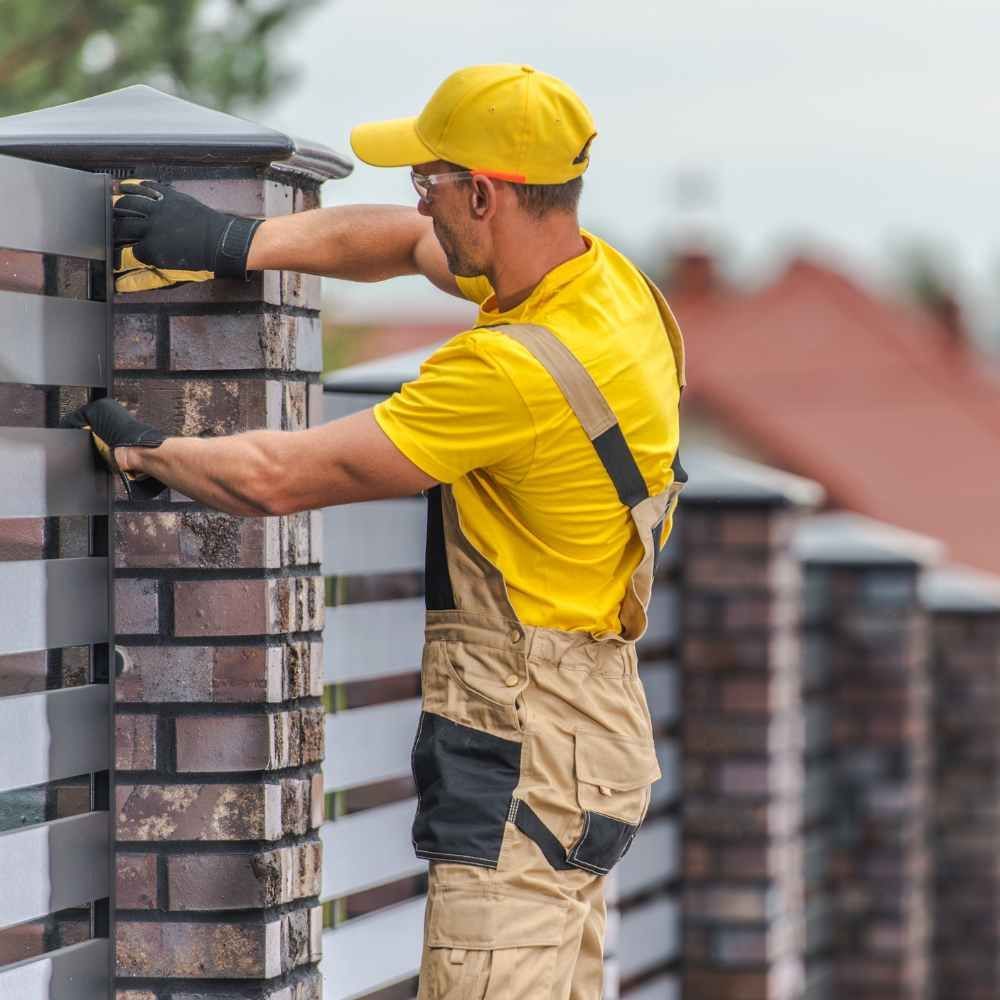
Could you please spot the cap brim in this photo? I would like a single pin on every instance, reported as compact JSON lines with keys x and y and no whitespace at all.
{"x":390,"y":144}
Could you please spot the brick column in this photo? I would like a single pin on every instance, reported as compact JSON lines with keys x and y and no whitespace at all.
{"x":741,"y":731}
{"x":965,"y":818}
{"x":220,"y":718}
{"x":868,"y":660}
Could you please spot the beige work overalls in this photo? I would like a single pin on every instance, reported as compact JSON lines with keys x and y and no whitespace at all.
{"x":534,"y":755}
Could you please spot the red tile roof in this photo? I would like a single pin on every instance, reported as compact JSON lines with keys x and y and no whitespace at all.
{"x":867,"y":396}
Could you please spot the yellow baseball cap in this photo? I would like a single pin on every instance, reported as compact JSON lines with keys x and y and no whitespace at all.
{"x":508,"y":121}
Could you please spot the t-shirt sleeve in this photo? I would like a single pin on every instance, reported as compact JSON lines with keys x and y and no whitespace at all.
{"x":462,"y":413}
{"x":476,"y":290}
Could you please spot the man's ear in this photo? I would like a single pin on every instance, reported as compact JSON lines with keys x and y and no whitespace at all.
{"x":484,"y":197}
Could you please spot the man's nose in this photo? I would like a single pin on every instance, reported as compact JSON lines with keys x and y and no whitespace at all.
{"x":424,"y":208}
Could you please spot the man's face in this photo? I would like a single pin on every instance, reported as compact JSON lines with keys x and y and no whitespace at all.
{"x":455,"y":227}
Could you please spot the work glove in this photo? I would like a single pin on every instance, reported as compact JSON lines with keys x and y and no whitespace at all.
{"x":165,"y":238}
{"x":112,"y":426}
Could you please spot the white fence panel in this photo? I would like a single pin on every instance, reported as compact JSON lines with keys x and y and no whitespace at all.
{"x":80,"y":972}
{"x":373,"y":639}
{"x":365,"y":745}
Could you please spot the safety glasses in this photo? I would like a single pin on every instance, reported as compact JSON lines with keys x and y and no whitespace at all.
{"x":424,"y":184}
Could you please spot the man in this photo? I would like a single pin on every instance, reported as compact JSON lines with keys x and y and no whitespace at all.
{"x":546,"y":440}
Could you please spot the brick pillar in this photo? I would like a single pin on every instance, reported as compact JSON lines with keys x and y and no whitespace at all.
{"x":965,"y":818}
{"x":867,"y":634}
{"x":741,"y":728}
{"x":220,"y":718}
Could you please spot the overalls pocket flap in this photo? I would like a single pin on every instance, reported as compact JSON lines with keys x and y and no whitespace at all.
{"x":615,"y":762}
{"x":614,"y":774}
{"x":490,"y":920}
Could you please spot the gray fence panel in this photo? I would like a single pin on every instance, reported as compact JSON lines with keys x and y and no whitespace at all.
{"x":382,"y":536}
{"x":661,"y":680}
{"x":79,"y":972}
{"x":650,"y":936}
{"x":373,"y":639}
{"x":50,"y":341}
{"x":653,"y":857}
{"x":52,"y":209}
{"x":367,"y":849}
{"x":370,"y":953}
{"x":54,"y":865}
{"x":660,"y":988}
{"x":366,"y":745}
{"x":56,"y":474}
{"x":342,"y":404}
{"x":53,"y":735}
{"x":50,"y":603}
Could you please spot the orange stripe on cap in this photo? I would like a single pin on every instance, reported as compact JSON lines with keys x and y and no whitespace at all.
{"x":497,"y":175}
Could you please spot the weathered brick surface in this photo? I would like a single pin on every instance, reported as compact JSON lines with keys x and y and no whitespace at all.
{"x":247,"y":880}
{"x":136,"y":339}
{"x":211,"y":812}
{"x":137,"y":606}
{"x":268,"y":341}
{"x":135,"y":742}
{"x":137,"y":881}
{"x":741,"y":735}
{"x":22,"y":538}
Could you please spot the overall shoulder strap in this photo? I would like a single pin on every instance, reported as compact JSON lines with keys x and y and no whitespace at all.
{"x":672,"y":328}
{"x":588,"y":404}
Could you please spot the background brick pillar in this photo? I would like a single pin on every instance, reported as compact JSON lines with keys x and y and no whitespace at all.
{"x":220,"y":719}
{"x":868,"y":651}
{"x":741,"y":725}
{"x":965,"y":818}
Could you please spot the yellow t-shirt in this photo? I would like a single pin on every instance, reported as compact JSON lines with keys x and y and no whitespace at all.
{"x":532,"y":494}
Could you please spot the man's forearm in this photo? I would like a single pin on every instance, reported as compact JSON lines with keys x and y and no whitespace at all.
{"x":354,"y":242}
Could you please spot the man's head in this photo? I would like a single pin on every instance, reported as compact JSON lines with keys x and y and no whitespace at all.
{"x":497,"y":151}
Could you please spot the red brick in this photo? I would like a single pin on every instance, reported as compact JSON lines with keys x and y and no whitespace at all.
{"x":22,"y":271}
{"x":209,"y":812}
{"x":22,"y":538}
{"x":245,"y":880}
{"x":137,"y":881}
{"x":248,"y":607}
{"x":251,"y":341}
{"x":23,"y":405}
{"x":135,"y":340}
{"x":135,"y":742}
{"x":137,"y":609}
{"x":199,"y":951}
{"x":22,"y":673}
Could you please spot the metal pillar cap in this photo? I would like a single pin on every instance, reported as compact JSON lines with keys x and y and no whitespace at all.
{"x":143,"y":125}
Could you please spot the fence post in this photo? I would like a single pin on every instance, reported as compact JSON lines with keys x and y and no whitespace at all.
{"x":868,"y":658}
{"x":965,"y":818}
{"x":741,"y":729}
{"x":220,"y":723}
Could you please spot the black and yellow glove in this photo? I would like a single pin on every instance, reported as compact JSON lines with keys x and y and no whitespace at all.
{"x":112,"y":426}
{"x":165,"y":238}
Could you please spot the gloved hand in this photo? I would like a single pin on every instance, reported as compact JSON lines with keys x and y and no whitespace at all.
{"x":112,"y":426}
{"x":164,"y":238}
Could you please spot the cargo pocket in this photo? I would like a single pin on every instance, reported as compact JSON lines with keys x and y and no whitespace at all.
{"x":489,"y":945}
{"x":614,"y":775}
{"x":465,"y":779}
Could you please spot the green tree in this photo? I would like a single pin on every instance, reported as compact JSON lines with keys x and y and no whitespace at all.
{"x":215,"y":52}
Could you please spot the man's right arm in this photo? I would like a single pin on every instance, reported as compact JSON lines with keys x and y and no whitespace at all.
{"x":353,"y":242}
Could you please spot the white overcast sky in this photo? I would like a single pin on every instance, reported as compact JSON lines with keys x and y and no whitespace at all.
{"x":848,"y":127}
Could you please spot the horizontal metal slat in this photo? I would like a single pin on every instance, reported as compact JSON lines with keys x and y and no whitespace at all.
{"x":653,"y":858}
{"x":381,"y":536}
{"x":341,"y":404}
{"x":664,"y":617}
{"x":55,"y":865}
{"x":53,"y":209}
{"x":79,"y":972}
{"x":650,"y":936}
{"x":668,"y":788}
{"x":370,"y":953}
{"x":365,"y":745}
{"x":367,"y":849}
{"x":56,"y":473}
{"x":50,"y":603}
{"x":53,"y":735}
{"x":661,"y":680}
{"x":50,"y":341}
{"x":374,"y":639}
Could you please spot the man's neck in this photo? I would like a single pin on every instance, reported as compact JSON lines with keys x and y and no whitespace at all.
{"x":524,"y":258}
